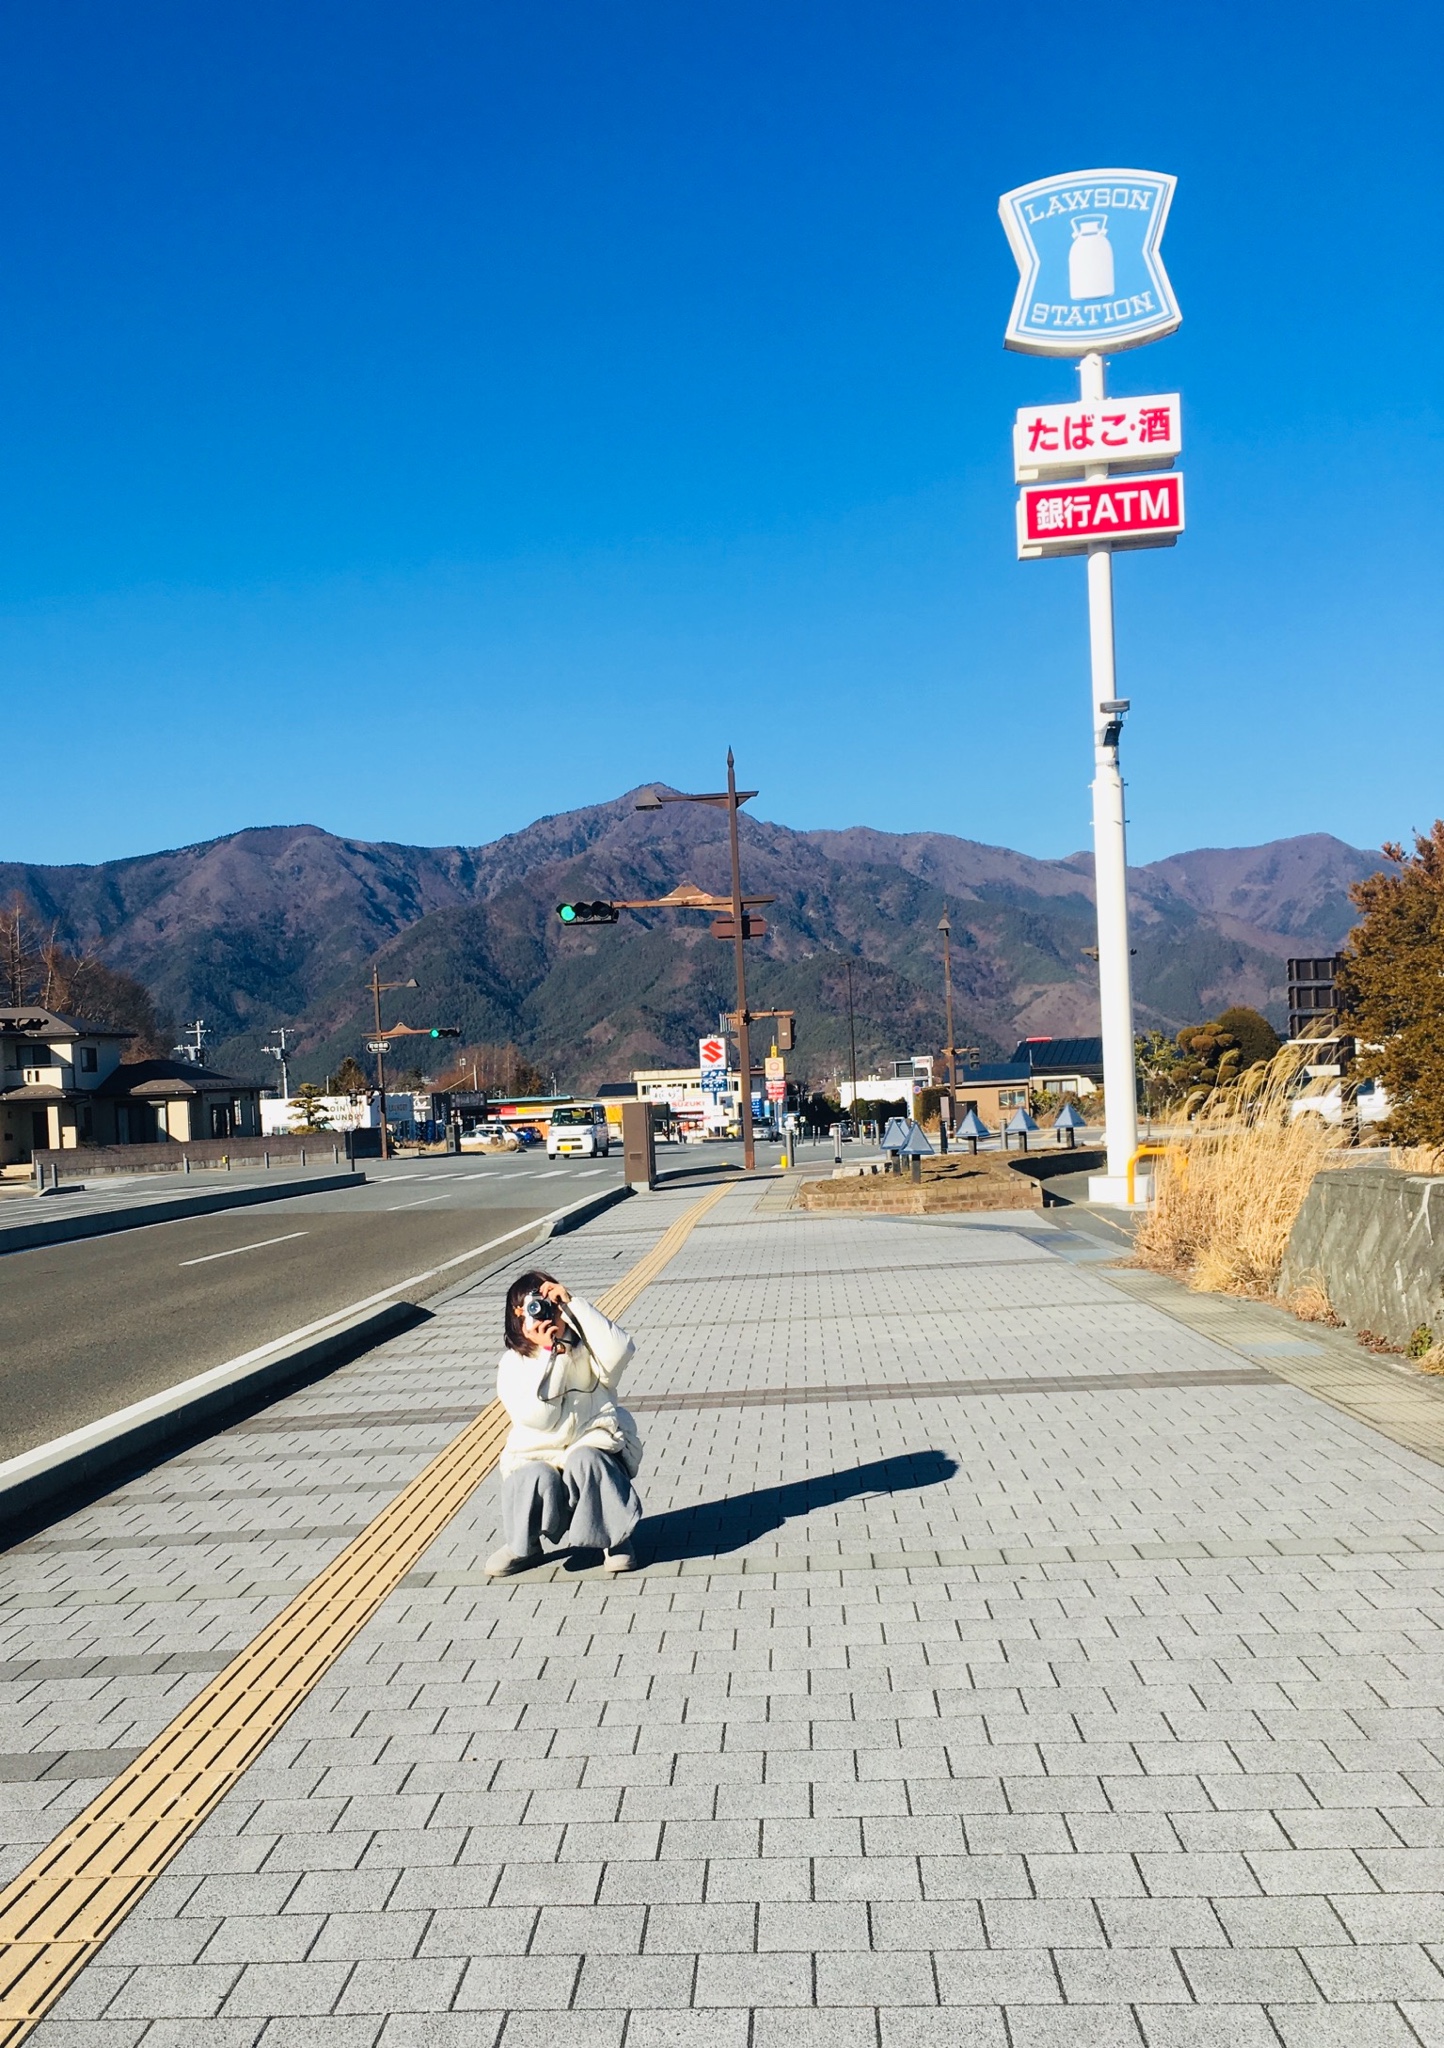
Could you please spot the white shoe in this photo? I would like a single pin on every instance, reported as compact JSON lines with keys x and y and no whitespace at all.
{"x":622,"y":1559}
{"x":502,"y":1563}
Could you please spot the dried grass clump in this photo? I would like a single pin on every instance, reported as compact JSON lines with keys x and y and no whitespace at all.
{"x":1310,"y":1303}
{"x":1224,"y":1209}
{"x":1416,"y":1158}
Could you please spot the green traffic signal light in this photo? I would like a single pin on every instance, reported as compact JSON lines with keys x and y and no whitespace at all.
{"x":434,"y":1032}
{"x":600,"y":912}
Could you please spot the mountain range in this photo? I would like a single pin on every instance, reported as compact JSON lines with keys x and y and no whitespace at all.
{"x":281,"y":925}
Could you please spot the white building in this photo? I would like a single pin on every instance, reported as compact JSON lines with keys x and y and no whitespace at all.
{"x":904,"y":1084}
{"x":410,"y":1113}
{"x":281,"y":1117}
{"x":680,"y":1088}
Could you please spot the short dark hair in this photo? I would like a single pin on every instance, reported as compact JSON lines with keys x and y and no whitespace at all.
{"x":516,"y":1294}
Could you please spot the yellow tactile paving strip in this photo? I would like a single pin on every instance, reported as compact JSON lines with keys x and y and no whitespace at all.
{"x":78,"y":1890}
{"x":1409,"y":1411}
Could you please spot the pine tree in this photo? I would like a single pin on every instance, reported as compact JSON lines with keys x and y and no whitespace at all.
{"x":1392,"y":985}
{"x":350,"y":1078}
{"x":308,"y":1109}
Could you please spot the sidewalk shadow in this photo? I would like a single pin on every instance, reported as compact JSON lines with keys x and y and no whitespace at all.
{"x":713,"y":1527}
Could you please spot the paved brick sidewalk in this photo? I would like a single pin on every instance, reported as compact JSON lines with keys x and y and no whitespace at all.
{"x":1013,"y":1665}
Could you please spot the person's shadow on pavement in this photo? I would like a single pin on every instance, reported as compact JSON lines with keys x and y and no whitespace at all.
{"x":712,"y":1527}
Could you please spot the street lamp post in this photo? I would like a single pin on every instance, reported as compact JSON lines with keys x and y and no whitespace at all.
{"x":378,"y":989}
{"x":733,"y":798}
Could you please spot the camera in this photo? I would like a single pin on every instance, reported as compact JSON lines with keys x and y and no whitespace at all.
{"x":537,"y":1309}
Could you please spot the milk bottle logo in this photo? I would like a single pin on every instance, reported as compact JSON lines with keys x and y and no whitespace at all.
{"x":1090,"y":260}
{"x":1090,"y":275}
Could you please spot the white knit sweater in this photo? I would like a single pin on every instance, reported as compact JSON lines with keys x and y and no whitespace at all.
{"x":560,"y":1400}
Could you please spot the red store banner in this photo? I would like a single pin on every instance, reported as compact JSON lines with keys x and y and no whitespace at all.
{"x":1127,"y":512}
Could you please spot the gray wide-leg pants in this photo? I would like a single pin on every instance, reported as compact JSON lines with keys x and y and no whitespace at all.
{"x":590,"y":1504}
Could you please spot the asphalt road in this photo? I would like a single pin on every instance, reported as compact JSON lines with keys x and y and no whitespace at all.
{"x":88,"y":1327}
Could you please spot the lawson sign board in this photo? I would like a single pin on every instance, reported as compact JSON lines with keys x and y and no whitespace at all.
{"x":1090,"y":275}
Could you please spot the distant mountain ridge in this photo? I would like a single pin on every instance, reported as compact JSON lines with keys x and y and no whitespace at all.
{"x":279,"y":924}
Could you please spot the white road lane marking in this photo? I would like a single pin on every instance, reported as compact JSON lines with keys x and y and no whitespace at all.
{"x":425,"y":1199}
{"x":258,"y":1246}
{"x":553,"y":1174}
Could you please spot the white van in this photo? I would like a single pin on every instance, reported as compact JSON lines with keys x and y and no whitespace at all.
{"x":579,"y":1130}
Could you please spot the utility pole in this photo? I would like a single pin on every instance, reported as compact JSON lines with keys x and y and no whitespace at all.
{"x":744,"y":1034}
{"x":945,"y":927}
{"x":733,"y":798}
{"x":194,"y":1047}
{"x":279,"y":1051}
{"x":852,"y":1042}
{"x":378,"y":1046}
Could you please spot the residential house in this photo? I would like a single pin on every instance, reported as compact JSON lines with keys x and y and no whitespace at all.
{"x":994,"y":1090}
{"x":64,"y":1083}
{"x":1064,"y":1066}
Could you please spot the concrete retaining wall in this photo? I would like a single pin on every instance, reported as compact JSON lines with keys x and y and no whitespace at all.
{"x":1374,"y":1238}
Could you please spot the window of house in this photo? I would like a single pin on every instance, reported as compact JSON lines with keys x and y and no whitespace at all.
{"x":39,"y":1056}
{"x":87,"y":1059}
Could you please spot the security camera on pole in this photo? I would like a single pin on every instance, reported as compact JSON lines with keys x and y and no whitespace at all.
{"x":1091,"y":279}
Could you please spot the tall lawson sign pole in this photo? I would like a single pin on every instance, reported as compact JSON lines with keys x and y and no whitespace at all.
{"x":1097,"y":476}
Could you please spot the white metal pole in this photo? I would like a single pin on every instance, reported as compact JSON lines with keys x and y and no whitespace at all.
{"x":1110,"y":858}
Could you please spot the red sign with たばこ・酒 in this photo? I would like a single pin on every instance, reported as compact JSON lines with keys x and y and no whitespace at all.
{"x":1127,"y":512}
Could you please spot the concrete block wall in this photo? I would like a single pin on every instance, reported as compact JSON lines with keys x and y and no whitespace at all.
{"x":1374,"y":1238}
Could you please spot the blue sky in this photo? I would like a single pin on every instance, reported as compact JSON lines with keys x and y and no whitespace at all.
{"x":418,"y":420}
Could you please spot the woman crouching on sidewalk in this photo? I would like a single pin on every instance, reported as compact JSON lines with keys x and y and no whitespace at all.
{"x":568,"y":1463}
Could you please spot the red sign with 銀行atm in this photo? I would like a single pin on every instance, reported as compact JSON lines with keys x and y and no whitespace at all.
{"x":1127,"y":512}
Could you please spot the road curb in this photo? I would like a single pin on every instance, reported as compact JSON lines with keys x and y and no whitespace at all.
{"x":69,"y":1467}
{"x":24,"y":1237}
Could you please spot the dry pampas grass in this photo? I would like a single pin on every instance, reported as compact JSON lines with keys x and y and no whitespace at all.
{"x":1416,"y":1158}
{"x":1227,"y":1202}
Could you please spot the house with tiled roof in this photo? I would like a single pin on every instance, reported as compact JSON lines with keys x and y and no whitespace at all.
{"x":65,"y":1082}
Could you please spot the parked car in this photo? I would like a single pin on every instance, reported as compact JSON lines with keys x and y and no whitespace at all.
{"x":1321,"y":1098}
{"x":488,"y":1138}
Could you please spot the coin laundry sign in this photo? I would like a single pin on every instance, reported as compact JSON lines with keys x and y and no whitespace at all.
{"x":1090,"y":272}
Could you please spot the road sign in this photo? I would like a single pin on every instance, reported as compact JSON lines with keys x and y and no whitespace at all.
{"x":1065,"y":519}
{"x":776,"y":1091}
{"x":1126,"y":433}
{"x":1090,"y":275}
{"x":377,"y":1045}
{"x":712,"y":1052}
{"x":774,"y":1067}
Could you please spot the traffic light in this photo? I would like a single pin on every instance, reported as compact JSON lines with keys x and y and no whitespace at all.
{"x":588,"y":913}
{"x":446,"y":1031}
{"x":786,"y":1030}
